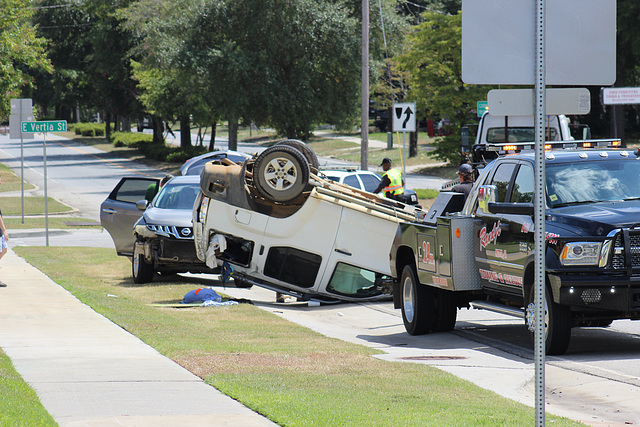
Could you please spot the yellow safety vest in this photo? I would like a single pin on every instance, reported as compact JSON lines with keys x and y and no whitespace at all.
{"x":395,"y":187}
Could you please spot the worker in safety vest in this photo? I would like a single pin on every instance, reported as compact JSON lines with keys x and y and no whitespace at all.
{"x":392,"y":184}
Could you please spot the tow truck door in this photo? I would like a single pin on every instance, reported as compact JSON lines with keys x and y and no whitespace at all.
{"x":516,"y":239}
{"x":490,"y":251}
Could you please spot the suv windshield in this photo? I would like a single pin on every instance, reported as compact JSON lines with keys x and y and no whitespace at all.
{"x":177,"y":196}
{"x":592,"y":181}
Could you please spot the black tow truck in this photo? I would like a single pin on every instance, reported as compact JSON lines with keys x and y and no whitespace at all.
{"x":480,"y":253}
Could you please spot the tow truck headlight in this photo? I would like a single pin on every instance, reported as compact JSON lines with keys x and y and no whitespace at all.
{"x":581,"y":253}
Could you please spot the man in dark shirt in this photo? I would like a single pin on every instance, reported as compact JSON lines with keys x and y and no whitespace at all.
{"x":465,"y":172}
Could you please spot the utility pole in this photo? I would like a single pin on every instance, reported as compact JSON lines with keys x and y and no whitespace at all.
{"x":364,"y":125}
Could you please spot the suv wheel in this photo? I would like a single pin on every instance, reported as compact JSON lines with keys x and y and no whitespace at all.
{"x":141,"y":271}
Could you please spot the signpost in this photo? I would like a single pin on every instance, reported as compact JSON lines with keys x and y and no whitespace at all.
{"x":21,"y":109}
{"x":404,"y":120}
{"x":44,"y":127}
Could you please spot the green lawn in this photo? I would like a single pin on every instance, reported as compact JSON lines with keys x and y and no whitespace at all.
{"x":19,"y":404}
{"x":292,"y":375}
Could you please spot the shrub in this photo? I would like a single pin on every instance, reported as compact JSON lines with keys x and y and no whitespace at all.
{"x":128,"y":139}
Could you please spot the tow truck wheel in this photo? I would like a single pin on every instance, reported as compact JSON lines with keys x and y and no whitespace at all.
{"x":415,"y":298}
{"x":281,"y":173}
{"x":141,"y":271}
{"x":557,"y":323}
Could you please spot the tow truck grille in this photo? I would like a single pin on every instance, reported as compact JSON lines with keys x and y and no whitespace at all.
{"x":618,"y":261}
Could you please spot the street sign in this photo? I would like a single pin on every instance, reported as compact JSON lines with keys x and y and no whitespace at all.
{"x":620,"y":95}
{"x":21,"y":110}
{"x":50,"y":126}
{"x":404,"y":117}
{"x":519,"y":102}
{"x":498,"y":42}
{"x":482,"y":107}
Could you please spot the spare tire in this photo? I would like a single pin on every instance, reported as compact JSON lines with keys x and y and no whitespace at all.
{"x":308,"y":153}
{"x":281,"y":173}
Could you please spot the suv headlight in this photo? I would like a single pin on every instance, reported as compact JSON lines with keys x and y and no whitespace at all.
{"x":581,"y":253}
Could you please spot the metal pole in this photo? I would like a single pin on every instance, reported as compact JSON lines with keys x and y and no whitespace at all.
{"x":22,"y":170}
{"x":46,"y":198}
{"x":404,"y":157}
{"x":539,"y":212}
{"x":364,"y":125}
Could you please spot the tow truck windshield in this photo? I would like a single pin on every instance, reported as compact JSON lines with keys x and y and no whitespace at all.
{"x":592,"y":181}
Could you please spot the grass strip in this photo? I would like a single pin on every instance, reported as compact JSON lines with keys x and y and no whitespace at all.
{"x":11,"y":181}
{"x":32,"y":206}
{"x":54,"y":222}
{"x":19,"y":404}
{"x":292,"y":375}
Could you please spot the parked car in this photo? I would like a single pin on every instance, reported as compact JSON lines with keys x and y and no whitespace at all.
{"x":284,"y":227}
{"x":364,"y":180}
{"x":194,"y":165}
{"x":144,"y":123}
{"x":156,"y":236}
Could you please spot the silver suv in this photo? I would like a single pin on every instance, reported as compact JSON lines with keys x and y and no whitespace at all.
{"x":156,"y":236}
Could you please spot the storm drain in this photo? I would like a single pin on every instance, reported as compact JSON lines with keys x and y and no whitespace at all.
{"x":433,"y":358}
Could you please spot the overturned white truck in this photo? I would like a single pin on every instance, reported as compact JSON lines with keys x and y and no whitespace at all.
{"x":281,"y":226}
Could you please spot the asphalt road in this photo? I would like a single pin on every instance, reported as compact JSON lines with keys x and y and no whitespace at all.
{"x":598,"y":379}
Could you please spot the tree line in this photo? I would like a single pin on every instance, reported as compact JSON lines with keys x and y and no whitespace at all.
{"x":287,"y":64}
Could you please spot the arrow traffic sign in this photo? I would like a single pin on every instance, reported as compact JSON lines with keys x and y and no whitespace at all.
{"x":50,"y":126}
{"x":404,"y":117}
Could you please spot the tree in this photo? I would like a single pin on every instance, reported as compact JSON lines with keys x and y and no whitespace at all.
{"x":285,"y":63}
{"x":21,"y":52}
{"x":67,"y":89}
{"x":433,"y":60}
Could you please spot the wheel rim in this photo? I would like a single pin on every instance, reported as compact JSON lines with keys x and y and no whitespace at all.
{"x":407,"y":299}
{"x":280,"y":173}
{"x":136,"y":265}
{"x":531,"y":317}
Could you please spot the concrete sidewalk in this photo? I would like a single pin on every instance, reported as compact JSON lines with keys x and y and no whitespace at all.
{"x":87,"y":371}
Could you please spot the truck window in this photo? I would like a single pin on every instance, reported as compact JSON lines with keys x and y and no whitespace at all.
{"x":293,"y":266}
{"x":518,"y":134}
{"x":501,"y":179}
{"x":353,"y":281}
{"x":523,"y":185}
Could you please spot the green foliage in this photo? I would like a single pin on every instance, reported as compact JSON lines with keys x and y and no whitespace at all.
{"x":161,"y":152}
{"x":87,"y":129}
{"x":433,"y":61}
{"x":427,"y":193}
{"x":128,"y":139}
{"x":286,"y":63}
{"x":20,"y":52}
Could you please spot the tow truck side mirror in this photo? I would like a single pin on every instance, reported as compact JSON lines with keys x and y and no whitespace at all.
{"x":486,"y":195}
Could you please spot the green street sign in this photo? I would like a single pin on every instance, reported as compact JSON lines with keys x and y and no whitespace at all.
{"x":482,"y":107}
{"x":51,"y":126}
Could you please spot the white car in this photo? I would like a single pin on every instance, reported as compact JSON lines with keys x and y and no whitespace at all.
{"x":364,"y":180}
{"x":283,"y":228}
